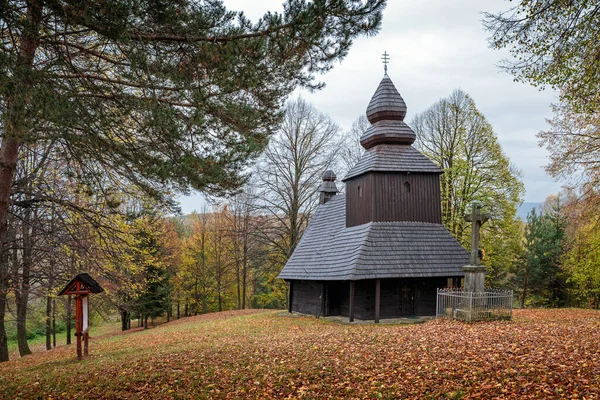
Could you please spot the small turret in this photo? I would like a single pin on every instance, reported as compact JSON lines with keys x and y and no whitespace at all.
{"x":328,"y":188}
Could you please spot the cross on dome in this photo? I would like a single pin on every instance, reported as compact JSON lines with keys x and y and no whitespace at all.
{"x":385,"y":57}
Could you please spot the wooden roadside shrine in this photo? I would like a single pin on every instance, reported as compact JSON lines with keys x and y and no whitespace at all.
{"x":81,"y":287}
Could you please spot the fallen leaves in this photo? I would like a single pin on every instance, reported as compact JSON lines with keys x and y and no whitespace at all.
{"x":258,"y":354}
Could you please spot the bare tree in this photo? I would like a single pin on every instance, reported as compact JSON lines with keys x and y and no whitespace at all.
{"x":290,"y":171}
{"x":245,"y":244}
{"x":352,"y":150}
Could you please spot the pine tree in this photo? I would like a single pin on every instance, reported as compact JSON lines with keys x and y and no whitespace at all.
{"x":539,"y":273}
{"x":152,"y":301}
{"x":159,"y":94}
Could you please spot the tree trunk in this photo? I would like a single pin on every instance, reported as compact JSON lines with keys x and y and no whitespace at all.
{"x":21,"y":302}
{"x":22,"y":293}
{"x":244,"y":272}
{"x":3,"y":293}
{"x":178,"y":309}
{"x":54,"y":322}
{"x":238,"y":269}
{"x":145,"y":322}
{"x":48,"y":326}
{"x":15,"y":112}
{"x":124,"y":317}
{"x":68,"y":321}
{"x":14,"y":124}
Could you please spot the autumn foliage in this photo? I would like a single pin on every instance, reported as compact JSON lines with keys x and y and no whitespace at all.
{"x":269,"y":354}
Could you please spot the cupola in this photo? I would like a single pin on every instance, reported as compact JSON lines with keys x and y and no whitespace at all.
{"x":328,"y":188}
{"x":386,"y":112}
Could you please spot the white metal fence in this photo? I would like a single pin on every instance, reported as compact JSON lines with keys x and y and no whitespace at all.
{"x":474,"y":306}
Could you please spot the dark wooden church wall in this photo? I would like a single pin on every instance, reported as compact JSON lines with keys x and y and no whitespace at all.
{"x":397,"y":201}
{"x":359,"y":199}
{"x":399,"y":297}
{"x":364,"y":300}
{"x":338,"y":298}
{"x":427,"y":295}
{"x":393,"y":197}
{"x":306,"y":297}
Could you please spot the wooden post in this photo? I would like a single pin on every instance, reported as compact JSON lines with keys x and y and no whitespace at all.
{"x":377,"y":299}
{"x":81,"y":287}
{"x":290,"y":296}
{"x":324,"y":303}
{"x":78,"y":322}
{"x":351,"y":303}
{"x":69,"y":321}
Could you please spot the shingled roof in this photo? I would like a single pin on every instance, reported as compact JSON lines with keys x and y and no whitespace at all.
{"x":386,"y":112}
{"x":329,"y":251}
{"x":87,"y":281}
{"x":393,"y":158}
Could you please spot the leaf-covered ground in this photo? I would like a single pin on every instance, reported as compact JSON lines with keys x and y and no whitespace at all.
{"x":266,"y":354}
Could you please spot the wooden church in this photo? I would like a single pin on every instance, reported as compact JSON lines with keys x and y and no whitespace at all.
{"x":379,"y":250}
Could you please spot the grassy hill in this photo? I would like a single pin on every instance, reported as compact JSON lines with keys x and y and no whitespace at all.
{"x":269,"y":354}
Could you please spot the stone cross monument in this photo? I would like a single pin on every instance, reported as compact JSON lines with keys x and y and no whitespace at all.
{"x":475,"y":272}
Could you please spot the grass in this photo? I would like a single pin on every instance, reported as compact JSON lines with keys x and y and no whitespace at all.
{"x":267,"y":354}
{"x":38,"y":344}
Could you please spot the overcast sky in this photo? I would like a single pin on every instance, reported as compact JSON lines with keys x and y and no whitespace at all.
{"x":435,"y":47}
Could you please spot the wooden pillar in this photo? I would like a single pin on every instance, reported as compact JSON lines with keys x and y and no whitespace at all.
{"x":351,"y":303}
{"x":377,"y":300}
{"x":290,"y":296}
{"x":78,"y":323}
{"x":324,"y":302}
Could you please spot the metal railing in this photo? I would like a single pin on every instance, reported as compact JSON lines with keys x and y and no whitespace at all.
{"x":493,"y":304}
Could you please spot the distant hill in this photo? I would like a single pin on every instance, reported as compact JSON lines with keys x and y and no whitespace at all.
{"x":526,"y":208}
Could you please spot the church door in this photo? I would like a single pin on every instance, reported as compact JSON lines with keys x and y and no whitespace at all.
{"x":406,"y":299}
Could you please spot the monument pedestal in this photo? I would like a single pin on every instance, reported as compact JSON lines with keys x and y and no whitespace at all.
{"x":474,"y":278}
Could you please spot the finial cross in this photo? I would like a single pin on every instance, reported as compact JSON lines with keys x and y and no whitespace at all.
{"x":477,"y":218}
{"x":386,"y":60}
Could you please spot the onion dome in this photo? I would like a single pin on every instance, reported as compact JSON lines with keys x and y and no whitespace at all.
{"x":386,"y":112}
{"x":328,"y":188}
{"x":329,"y":176}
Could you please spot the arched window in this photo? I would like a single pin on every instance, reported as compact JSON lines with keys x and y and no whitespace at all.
{"x":407,"y":187}
{"x":359,"y":191}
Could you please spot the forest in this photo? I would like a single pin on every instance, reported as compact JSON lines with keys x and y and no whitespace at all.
{"x":155,"y":264}
{"x":164,"y":115}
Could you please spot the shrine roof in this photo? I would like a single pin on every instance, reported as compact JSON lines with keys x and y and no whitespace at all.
{"x":88,"y":282}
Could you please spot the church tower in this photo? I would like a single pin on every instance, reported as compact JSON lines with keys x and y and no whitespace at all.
{"x":392,"y":181}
